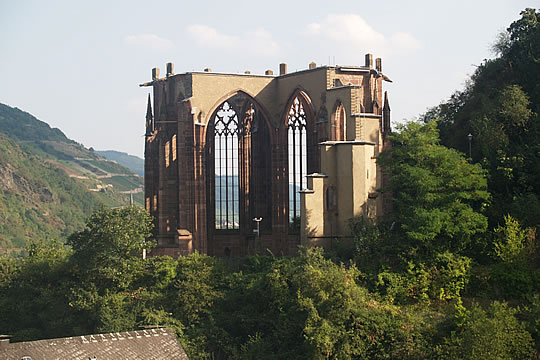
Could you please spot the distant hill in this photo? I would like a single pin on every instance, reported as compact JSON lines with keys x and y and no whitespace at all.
{"x":132,"y":162}
{"x":20,"y":125}
{"x":49,"y":183}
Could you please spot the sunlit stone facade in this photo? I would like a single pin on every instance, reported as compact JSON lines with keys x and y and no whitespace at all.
{"x":296,"y":149}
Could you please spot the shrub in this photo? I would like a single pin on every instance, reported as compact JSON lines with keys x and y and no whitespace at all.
{"x":511,"y":240}
{"x":444,"y":279}
{"x":494,"y":333}
{"x":394,"y":287}
{"x":532,"y":317}
{"x":512,"y":281}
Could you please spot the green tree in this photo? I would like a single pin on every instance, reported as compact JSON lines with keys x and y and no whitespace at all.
{"x":33,"y":301}
{"x":500,"y":107}
{"x":437,"y":194}
{"x":344,"y":321}
{"x":511,"y":241}
{"x":112,"y":235}
{"x":107,"y":260}
{"x":196,"y":287}
{"x":492,"y":334}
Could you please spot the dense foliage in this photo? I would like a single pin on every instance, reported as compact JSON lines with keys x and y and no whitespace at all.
{"x":305,"y":307}
{"x":437,"y":193}
{"x":500,"y":108}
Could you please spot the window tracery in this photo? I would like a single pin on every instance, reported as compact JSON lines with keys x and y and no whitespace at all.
{"x":226,"y":131}
{"x":297,"y":147}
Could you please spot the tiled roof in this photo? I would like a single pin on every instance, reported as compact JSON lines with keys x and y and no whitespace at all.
{"x":144,"y":344}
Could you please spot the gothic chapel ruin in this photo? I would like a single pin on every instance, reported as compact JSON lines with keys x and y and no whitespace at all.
{"x":295,"y":151}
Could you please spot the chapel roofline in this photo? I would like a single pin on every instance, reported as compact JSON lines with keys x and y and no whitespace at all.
{"x":368,"y":67}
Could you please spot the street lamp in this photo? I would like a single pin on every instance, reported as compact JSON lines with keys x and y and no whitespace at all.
{"x":470,"y":140}
{"x":258,"y":229}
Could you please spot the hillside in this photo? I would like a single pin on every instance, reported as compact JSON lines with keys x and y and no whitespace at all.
{"x":49,"y":183}
{"x":20,"y":125}
{"x":132,"y":162}
{"x":497,"y":118}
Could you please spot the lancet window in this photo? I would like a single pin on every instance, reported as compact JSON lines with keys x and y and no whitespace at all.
{"x":227,"y":202}
{"x":297,"y":148}
{"x":338,"y":124}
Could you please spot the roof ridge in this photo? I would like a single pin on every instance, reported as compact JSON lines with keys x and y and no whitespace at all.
{"x":102,"y":337}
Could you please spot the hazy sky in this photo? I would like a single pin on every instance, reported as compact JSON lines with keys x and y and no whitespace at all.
{"x":77,"y":64}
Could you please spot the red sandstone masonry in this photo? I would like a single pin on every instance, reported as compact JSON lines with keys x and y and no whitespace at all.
{"x":183,"y":105}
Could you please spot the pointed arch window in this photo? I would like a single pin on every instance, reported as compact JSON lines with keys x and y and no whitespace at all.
{"x":238,"y":167}
{"x":339,"y":123}
{"x":227,"y":203}
{"x":297,"y":158}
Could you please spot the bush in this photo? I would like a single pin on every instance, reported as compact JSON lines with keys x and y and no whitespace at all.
{"x":491,"y":334}
{"x":511,"y":240}
{"x":452,"y":275}
{"x":343,"y":320}
{"x":444,"y":279}
{"x":366,"y":236}
{"x":512,"y":281}
{"x":532,"y":317}
{"x":394,"y":287}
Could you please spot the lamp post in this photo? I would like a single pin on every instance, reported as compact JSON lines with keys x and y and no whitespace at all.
{"x":258,"y":229}
{"x":470,"y":140}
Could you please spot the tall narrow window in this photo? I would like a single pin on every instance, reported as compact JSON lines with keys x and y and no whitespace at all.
{"x":338,"y":124}
{"x":173,"y":144}
{"x":226,"y":168}
{"x":167,"y":153}
{"x":297,"y":140}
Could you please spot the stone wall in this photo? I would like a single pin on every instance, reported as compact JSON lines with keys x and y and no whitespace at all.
{"x":343,"y":108}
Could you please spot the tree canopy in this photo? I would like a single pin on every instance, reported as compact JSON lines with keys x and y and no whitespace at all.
{"x":113,"y":234}
{"x":437,"y":194}
{"x":500,"y":107}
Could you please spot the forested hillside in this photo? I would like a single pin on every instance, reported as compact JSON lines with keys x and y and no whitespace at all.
{"x":22,"y":126}
{"x":500,"y":108}
{"x":49,"y":184}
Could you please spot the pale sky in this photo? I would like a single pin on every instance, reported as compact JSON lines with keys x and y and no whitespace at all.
{"x":77,"y":64}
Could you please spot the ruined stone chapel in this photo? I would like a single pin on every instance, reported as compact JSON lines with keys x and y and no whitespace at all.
{"x":242,"y":163}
